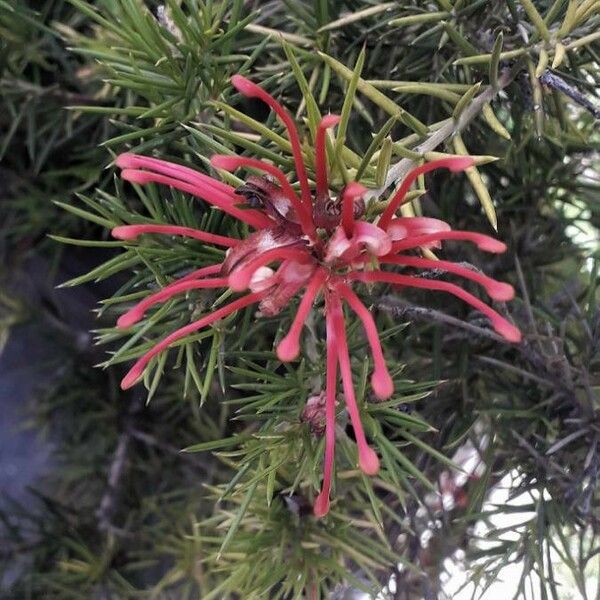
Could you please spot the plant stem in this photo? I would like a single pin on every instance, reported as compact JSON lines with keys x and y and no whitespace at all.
{"x":398,"y":171}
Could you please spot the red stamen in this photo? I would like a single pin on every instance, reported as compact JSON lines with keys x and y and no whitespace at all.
{"x":401,"y":228}
{"x":325,"y":123}
{"x":138,"y":368}
{"x":125,"y":321}
{"x":321,"y":505}
{"x":367,"y":458}
{"x":458,"y":163}
{"x":135,"y":314}
{"x":201,"y":272}
{"x":131,"y":232}
{"x":503,"y":292}
{"x":129,"y":160}
{"x":381,"y":382}
{"x":239,"y":279}
{"x":499,"y":323}
{"x":215,"y":197}
{"x":230,"y":163}
{"x":251,"y":90}
{"x":289,"y":347}
{"x":483,"y":242}
{"x":351,"y":192}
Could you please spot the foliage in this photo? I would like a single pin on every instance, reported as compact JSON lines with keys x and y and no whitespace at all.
{"x":411,"y":80}
{"x":48,"y":153}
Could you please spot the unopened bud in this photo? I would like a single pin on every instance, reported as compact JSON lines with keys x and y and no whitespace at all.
{"x":313,"y":413}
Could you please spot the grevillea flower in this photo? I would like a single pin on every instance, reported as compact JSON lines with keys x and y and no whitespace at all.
{"x":314,"y":245}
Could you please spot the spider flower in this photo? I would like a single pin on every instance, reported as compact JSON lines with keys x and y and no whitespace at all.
{"x":309,"y":244}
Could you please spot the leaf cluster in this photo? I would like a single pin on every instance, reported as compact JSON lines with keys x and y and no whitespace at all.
{"x":412,"y":82}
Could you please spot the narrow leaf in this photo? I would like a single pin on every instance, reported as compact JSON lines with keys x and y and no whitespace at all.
{"x":478,"y":184}
{"x":496,"y":51}
{"x":357,"y":16}
{"x":376,"y":96}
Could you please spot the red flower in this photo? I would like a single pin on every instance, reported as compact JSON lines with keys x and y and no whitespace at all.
{"x":320,"y":245}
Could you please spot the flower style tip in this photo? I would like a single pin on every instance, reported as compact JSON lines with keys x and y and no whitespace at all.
{"x":132,"y":377}
{"x":125,"y":232}
{"x":456,"y":163}
{"x":288,"y":348}
{"x":368,"y":460}
{"x":244,"y":86}
{"x":136,"y":176}
{"x":321,"y":505}
{"x":491,"y":245}
{"x":500,"y":291}
{"x":382,"y":383}
{"x":507,"y":330}
{"x":225,"y":162}
{"x":329,"y":121}
{"x":355,"y":190}
{"x":131,"y":317}
{"x":125,"y":160}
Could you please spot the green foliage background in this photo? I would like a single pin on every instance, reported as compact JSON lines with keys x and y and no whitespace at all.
{"x":125,"y":513}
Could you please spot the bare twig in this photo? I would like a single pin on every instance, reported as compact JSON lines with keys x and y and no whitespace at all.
{"x":108,"y":502}
{"x":552,"y":80}
{"x":115,"y":473}
{"x":450,"y":128}
{"x":398,"y":308}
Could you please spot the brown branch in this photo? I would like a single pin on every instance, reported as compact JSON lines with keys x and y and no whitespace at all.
{"x":108,"y":502}
{"x":115,"y":473}
{"x":55,"y":92}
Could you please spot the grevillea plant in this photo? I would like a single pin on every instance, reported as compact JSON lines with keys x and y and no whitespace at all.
{"x":316,"y":244}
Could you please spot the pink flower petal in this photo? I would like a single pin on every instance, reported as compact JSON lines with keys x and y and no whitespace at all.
{"x":260,"y":241}
{"x":280,"y":295}
{"x":376,"y":240}
{"x":337,"y":245}
{"x":262,"y":279}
